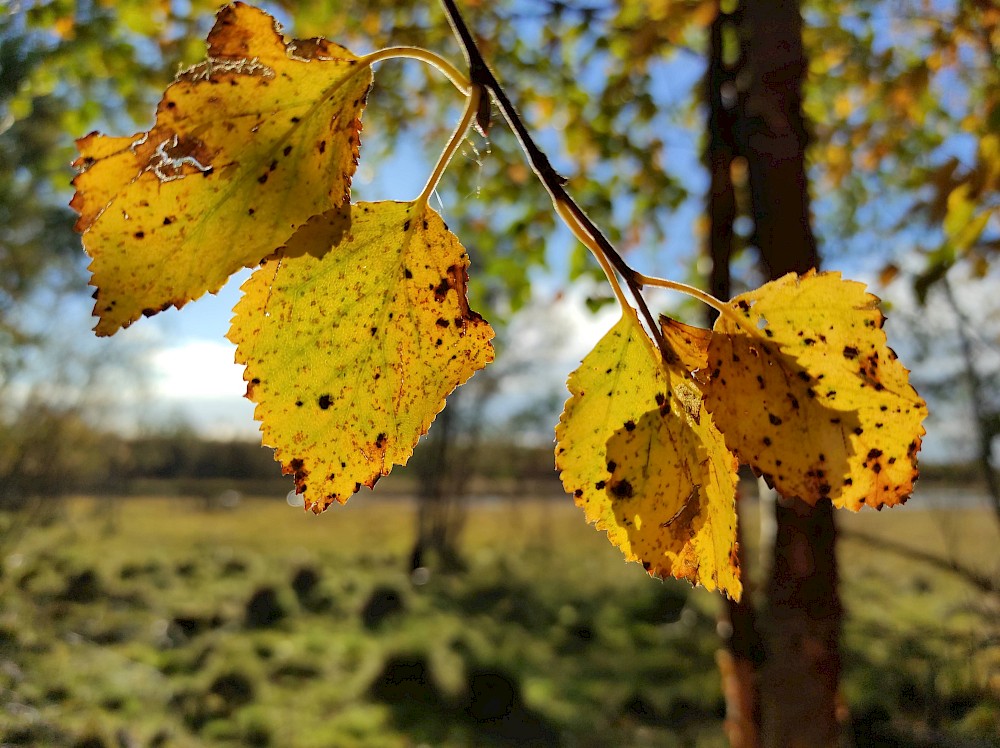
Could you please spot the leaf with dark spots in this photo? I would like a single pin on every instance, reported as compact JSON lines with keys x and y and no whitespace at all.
{"x":866,"y":403}
{"x":164,"y":213}
{"x":378,"y":392}
{"x":650,"y":434}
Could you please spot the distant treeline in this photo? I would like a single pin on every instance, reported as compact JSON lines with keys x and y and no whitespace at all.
{"x":54,"y":454}
{"x":70,"y":457}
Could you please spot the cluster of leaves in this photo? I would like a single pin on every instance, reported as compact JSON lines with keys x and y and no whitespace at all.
{"x":908,"y":96}
{"x":355,"y":325}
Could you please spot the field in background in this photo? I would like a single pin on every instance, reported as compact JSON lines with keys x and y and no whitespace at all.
{"x":155,"y":622}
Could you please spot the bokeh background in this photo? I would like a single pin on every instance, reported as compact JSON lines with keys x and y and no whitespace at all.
{"x":156,"y":586}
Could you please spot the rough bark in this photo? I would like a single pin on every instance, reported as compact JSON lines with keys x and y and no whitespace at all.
{"x":742,"y":650}
{"x":788,"y":668}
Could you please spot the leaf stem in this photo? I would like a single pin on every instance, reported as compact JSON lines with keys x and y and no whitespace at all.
{"x":452,"y":73}
{"x":471,"y":107}
{"x":598,"y":243}
{"x":726,"y":310}
{"x":574,"y":225}
{"x":702,"y":296}
{"x":588,"y":241}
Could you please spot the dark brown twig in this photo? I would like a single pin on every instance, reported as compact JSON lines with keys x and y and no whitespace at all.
{"x":481,"y":75}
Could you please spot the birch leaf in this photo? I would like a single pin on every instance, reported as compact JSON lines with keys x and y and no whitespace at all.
{"x":352,"y":336}
{"x":246,"y":147}
{"x":642,"y":457}
{"x":803,"y":385}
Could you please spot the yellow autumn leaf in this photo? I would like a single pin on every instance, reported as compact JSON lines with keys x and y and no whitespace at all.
{"x":641,"y":456}
{"x":352,"y":336}
{"x":264,"y":128}
{"x":801,"y":382}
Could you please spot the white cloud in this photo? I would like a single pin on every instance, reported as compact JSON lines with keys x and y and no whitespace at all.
{"x":196,"y":383}
{"x":196,"y":369}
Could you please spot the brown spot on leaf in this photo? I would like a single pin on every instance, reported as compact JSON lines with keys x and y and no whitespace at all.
{"x":180,"y":156}
{"x":441,"y":290}
{"x":324,"y":401}
{"x":296,"y":468}
{"x":622,"y":489}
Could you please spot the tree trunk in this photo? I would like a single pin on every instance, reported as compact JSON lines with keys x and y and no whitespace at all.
{"x":787,"y":670}
{"x":743,"y":651}
{"x":440,"y":508}
{"x":986,"y":415}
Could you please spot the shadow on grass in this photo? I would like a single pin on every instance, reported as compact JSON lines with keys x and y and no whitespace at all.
{"x":491,"y":709}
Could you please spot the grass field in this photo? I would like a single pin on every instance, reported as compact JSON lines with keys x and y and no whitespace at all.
{"x":151,"y":622}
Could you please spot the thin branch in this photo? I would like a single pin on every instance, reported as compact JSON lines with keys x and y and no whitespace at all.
{"x":973,"y":577}
{"x":481,"y":75}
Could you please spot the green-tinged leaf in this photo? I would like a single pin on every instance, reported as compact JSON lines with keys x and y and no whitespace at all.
{"x":963,"y":224}
{"x":352,"y":336}
{"x":641,"y":456}
{"x":246,"y":147}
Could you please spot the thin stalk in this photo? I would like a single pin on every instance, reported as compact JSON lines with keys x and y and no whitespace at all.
{"x":627,"y":309}
{"x":726,"y":310}
{"x":452,"y":73}
{"x":471,"y":107}
{"x":480,"y":74}
{"x":570,"y":220}
{"x":703,"y":296}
